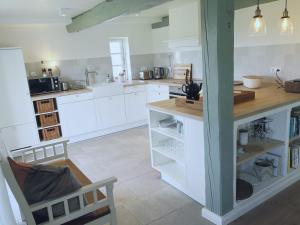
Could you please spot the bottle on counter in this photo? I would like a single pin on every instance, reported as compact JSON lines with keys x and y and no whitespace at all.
{"x":44,"y":72}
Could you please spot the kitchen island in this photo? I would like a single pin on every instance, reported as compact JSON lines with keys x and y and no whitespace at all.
{"x":183,"y":166}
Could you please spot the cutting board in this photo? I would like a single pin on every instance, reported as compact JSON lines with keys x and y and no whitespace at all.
{"x":239,"y":97}
{"x":179,"y":71}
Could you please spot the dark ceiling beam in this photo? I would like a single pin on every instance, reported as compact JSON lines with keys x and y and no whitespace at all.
{"x":108,"y":10}
{"x":239,"y":4}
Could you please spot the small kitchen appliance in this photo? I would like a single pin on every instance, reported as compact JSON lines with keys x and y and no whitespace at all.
{"x":160,"y":72}
{"x":43,"y":85}
{"x":192,"y":90}
{"x":146,"y":75}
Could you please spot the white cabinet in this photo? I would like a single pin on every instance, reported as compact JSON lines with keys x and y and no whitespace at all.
{"x":135,"y":104}
{"x":157,"y":93}
{"x":20,"y":136}
{"x":77,"y":117}
{"x":195,"y":159}
{"x":17,"y":120}
{"x":110,"y":111}
{"x":177,"y":152}
{"x":184,"y":31}
{"x":15,"y":101}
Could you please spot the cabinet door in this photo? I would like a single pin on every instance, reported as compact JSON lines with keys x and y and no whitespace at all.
{"x":194,"y":153}
{"x":15,"y":102}
{"x":135,"y":104}
{"x":110,"y":111}
{"x":20,"y":136}
{"x":77,"y":118}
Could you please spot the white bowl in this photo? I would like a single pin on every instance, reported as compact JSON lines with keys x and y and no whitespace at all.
{"x":252,"y":81}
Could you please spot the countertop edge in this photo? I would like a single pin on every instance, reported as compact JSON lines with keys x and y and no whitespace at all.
{"x":60,"y":94}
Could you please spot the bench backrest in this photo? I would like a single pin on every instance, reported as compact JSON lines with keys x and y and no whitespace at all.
{"x":36,"y":155}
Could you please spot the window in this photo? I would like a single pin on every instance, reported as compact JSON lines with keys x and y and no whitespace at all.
{"x":120,"y":57}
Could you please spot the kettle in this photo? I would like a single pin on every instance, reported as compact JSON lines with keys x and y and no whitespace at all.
{"x":192,"y":90}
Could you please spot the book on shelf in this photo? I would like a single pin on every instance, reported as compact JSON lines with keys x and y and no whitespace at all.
{"x":295,"y":123}
{"x":294,"y":153}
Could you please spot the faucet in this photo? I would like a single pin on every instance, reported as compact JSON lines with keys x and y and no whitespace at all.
{"x":87,"y":73}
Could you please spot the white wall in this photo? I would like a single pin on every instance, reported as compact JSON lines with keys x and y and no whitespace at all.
{"x":52,"y":42}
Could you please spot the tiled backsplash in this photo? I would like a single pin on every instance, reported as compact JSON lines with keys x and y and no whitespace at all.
{"x":248,"y":60}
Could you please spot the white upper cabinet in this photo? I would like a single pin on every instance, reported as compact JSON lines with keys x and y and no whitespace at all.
{"x":135,"y":104}
{"x":185,"y":26}
{"x":15,"y":101}
{"x":110,"y":111}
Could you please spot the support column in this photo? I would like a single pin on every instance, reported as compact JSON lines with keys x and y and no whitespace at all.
{"x":217,"y":18}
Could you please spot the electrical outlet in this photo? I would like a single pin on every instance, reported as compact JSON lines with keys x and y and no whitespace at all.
{"x":273,"y":70}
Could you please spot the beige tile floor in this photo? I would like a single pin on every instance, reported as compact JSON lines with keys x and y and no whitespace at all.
{"x":143,"y":198}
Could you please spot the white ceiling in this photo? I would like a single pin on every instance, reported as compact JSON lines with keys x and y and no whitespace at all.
{"x":48,"y":11}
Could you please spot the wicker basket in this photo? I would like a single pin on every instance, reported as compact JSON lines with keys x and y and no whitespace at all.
{"x":46,"y":105}
{"x":48,"y":119}
{"x":50,"y":133}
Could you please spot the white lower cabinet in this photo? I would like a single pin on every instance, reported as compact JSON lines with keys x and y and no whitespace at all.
{"x":77,"y":117}
{"x":110,"y":111}
{"x":20,"y":136}
{"x":135,"y":105}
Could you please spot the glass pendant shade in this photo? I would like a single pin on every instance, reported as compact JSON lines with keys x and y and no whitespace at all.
{"x":258,"y":24}
{"x":286,"y":24}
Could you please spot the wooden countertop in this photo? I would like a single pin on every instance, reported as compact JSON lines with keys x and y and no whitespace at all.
{"x":268,"y":97}
{"x":170,"y":82}
{"x":61,"y":93}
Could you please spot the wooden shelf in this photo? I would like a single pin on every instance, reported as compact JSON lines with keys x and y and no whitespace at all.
{"x":169,"y":132}
{"x":38,"y":114}
{"x":257,"y":147}
{"x":41,"y":128}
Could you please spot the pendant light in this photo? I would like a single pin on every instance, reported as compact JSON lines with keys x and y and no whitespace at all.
{"x":258,"y":24}
{"x":286,"y":25}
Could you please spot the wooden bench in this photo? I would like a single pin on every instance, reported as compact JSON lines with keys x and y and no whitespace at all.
{"x":98,"y":208}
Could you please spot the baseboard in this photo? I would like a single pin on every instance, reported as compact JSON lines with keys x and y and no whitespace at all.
{"x":107,"y":131}
{"x":212,"y":217}
{"x":250,"y":204}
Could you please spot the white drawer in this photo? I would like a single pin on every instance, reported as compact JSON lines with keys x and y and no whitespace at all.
{"x":133,"y":89}
{"x":107,"y":90}
{"x":158,"y":88}
{"x":74,"y":98}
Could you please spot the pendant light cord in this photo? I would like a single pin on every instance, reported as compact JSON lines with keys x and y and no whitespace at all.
{"x":258,"y":4}
{"x":286,"y":4}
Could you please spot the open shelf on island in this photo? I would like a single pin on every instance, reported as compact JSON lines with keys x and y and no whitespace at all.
{"x":261,"y":187}
{"x":257,"y":147}
{"x":169,"y":132}
{"x":172,"y":170}
{"x":172,"y":152}
{"x":292,"y":139}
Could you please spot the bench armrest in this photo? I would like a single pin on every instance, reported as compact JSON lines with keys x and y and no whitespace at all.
{"x":84,"y":209}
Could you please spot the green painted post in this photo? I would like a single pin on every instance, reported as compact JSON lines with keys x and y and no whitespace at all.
{"x":217,"y":18}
